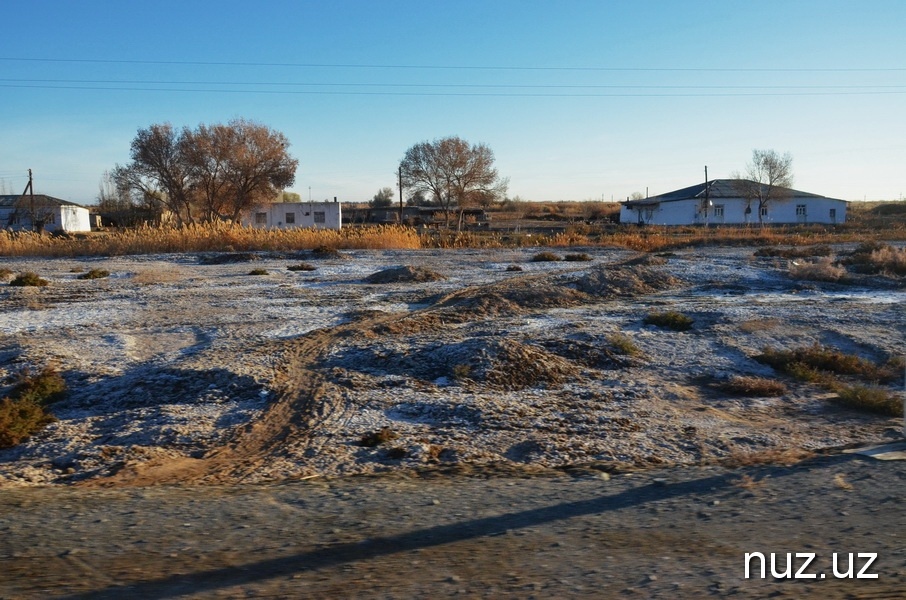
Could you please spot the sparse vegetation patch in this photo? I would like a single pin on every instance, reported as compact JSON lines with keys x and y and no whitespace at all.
{"x":546,"y":257}
{"x":742,"y":385}
{"x":24,"y":412}
{"x":28,"y":279}
{"x":301,"y":267}
{"x":670,"y":319}
{"x":95,"y":274}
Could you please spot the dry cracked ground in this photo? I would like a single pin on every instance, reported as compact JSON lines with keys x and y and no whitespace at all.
{"x":477,"y":369}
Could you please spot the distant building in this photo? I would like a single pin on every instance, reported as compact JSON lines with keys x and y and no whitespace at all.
{"x":719,"y":202}
{"x":288,"y":215}
{"x":41,"y":212}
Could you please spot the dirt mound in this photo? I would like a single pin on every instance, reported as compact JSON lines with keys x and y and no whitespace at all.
{"x":405,"y":274}
{"x":625,"y":280}
{"x":512,"y":365}
{"x":513,"y":296}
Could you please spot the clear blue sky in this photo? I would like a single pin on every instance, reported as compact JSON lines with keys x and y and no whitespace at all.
{"x":578,"y":100}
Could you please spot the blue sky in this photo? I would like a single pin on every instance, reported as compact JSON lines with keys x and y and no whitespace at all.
{"x":579,"y":100}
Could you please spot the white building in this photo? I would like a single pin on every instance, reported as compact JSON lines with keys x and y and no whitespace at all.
{"x":23,"y":212}
{"x":287,"y":215}
{"x":719,"y":202}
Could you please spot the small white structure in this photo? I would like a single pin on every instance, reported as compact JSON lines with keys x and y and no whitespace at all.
{"x":288,"y":215}
{"x":24,"y":212}
{"x":720,"y":202}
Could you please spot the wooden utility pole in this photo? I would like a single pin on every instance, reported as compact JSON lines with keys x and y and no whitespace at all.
{"x":400,"y":180}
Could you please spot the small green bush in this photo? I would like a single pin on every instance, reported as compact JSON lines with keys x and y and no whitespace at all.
{"x":514,"y":268}
{"x":258,"y":272}
{"x":95,"y":274}
{"x":671,"y":319}
{"x":24,"y":413}
{"x":546,"y":257}
{"x":581,"y":257}
{"x":20,"y":419}
{"x":28,"y":279}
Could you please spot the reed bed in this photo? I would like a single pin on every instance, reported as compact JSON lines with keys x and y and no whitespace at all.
{"x":205,"y":238}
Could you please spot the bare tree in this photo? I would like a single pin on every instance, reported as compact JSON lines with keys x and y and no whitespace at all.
{"x":158,"y":170}
{"x":768,"y":178}
{"x":455,"y":172}
{"x":210,"y":173}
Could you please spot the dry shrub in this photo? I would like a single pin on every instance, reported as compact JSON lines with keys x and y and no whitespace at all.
{"x":546,"y":256}
{"x":376,"y":438}
{"x":28,"y":279}
{"x":739,"y":457}
{"x":301,"y":267}
{"x":801,"y":362}
{"x":511,"y":365}
{"x":623,"y":344}
{"x":869,"y":398}
{"x":805,"y":252}
{"x":753,"y":386}
{"x":163,"y":274}
{"x":6,"y":273}
{"x":670,"y":319}
{"x":824,"y":269}
{"x":95,"y":274}
{"x":259,"y":272}
{"x":580,"y":257}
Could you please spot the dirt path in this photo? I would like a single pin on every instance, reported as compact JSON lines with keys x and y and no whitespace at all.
{"x":678,"y":533}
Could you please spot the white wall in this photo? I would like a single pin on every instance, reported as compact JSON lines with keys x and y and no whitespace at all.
{"x":288,"y":215}
{"x":74,"y":219}
{"x":780,"y":212}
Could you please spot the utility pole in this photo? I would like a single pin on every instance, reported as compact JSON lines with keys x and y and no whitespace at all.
{"x":400,"y":180}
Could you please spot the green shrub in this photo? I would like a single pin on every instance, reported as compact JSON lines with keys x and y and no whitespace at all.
{"x":258,"y":272}
{"x":95,"y":274}
{"x":581,"y":257}
{"x":20,"y":419}
{"x":24,"y":413}
{"x":28,"y":279}
{"x":43,"y":388}
{"x":671,"y":319}
{"x":546,"y":257}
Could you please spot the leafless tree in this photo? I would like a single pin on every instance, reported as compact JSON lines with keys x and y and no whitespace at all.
{"x":768,"y":178}
{"x":210,"y":173}
{"x":455,"y":172}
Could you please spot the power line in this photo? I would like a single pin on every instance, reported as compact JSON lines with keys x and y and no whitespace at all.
{"x":459,"y":67}
{"x":862,"y":92}
{"x":454,"y":85}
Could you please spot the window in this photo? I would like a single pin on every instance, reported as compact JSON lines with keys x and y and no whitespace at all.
{"x":320,"y":217}
{"x":261,"y":218}
{"x":833,"y":215}
{"x":719,"y":211}
{"x":763,"y":211}
{"x":290,"y":218}
{"x":800,"y":210}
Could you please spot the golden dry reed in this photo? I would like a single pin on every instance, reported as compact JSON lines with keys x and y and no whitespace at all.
{"x":205,"y":238}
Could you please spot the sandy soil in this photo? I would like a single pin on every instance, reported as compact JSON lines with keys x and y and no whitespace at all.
{"x":220,"y":436}
{"x":186,"y":367}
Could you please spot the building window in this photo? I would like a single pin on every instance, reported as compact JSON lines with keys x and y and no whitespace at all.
{"x":833,"y":215}
{"x":800,"y":210}
{"x":719,"y":211}
{"x":261,"y":218}
{"x":763,"y":211}
{"x":290,"y":218}
{"x":320,"y":217}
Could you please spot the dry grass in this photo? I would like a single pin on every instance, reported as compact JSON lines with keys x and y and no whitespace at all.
{"x":623,"y":344}
{"x":739,"y":457}
{"x":28,"y":279}
{"x":206,"y":238}
{"x":874,"y":257}
{"x":546,"y":257}
{"x":753,"y":386}
{"x":95,"y":274}
{"x":163,"y":274}
{"x":824,"y":269}
{"x":756,"y":325}
{"x":670,"y":319}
